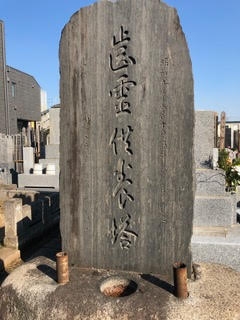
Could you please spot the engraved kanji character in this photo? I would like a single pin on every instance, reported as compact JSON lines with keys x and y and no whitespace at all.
{"x":119,"y":59}
{"x":122,"y":106}
{"x":123,"y":36}
{"x":122,"y":182}
{"x":123,"y":137}
{"x":126,"y":237}
{"x":122,"y":89}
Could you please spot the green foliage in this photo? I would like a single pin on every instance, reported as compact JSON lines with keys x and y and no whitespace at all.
{"x":223,"y":160}
{"x":232,"y":169}
{"x":236,"y":162}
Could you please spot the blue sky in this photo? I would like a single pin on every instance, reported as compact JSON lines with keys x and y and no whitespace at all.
{"x":33,"y":30}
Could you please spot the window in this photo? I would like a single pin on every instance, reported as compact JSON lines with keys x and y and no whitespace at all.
{"x":13,"y":89}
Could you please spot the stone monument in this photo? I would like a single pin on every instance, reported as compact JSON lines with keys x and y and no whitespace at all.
{"x":126,"y":150}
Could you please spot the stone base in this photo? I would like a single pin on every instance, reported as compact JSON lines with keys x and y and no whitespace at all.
{"x":215,"y":211}
{"x":216,"y":245}
{"x":210,"y":182}
{"x":45,"y":162}
{"x":38,"y":181}
{"x":33,"y":293}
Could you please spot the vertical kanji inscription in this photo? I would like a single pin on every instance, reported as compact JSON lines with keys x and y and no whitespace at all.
{"x":120,"y":140}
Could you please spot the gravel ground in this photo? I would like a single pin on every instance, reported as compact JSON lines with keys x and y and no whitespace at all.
{"x":215,"y":296}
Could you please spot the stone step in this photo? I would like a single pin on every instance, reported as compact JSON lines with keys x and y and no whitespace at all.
{"x":218,"y":249}
{"x":227,"y":195}
{"x":226,"y":232}
{"x":210,"y":231}
{"x":234,"y":232}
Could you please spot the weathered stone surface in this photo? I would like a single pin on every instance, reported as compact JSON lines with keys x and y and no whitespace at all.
{"x":33,"y":293}
{"x":126,"y":137}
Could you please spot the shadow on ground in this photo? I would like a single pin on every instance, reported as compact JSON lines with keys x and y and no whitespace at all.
{"x":158,"y":282}
{"x":47,"y":246}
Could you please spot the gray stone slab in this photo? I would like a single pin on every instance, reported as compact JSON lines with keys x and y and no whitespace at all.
{"x":52,"y":151}
{"x":126,"y":137}
{"x":215,"y":158}
{"x":210,"y":182}
{"x":54,"y":117}
{"x":28,"y":159}
{"x":205,"y":137}
{"x":214,"y":211}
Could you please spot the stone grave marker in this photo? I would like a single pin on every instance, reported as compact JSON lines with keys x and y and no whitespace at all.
{"x":126,"y":147}
{"x":205,"y":138}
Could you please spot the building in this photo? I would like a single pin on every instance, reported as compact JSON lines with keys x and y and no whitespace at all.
{"x":21,"y":103}
{"x":49,"y":128}
{"x":20,"y":96}
{"x":232,"y":134}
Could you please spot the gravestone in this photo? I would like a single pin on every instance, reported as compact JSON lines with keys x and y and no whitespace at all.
{"x":215,"y":230}
{"x":126,"y":128}
{"x":205,"y":138}
{"x":213,"y":206}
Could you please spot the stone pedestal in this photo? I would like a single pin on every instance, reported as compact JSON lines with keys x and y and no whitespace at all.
{"x":13,"y":222}
{"x":213,"y":206}
{"x":28,"y":159}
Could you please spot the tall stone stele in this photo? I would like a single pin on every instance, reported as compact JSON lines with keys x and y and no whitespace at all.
{"x":127,"y":120}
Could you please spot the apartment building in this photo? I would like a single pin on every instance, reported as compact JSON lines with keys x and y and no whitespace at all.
{"x":20,"y":96}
